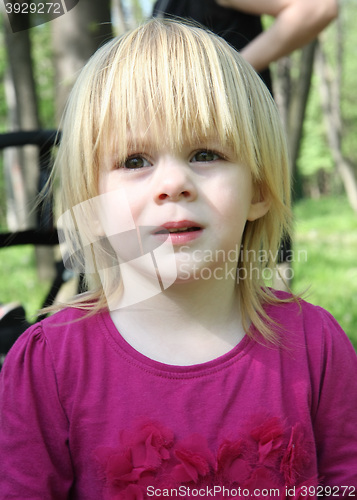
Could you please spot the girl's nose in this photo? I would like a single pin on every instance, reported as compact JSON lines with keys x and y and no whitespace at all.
{"x":174,"y":182}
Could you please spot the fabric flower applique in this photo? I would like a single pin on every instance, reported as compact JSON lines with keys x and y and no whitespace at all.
{"x":269,"y":436}
{"x":195,"y":460}
{"x":295,"y":457}
{"x":232,"y":463}
{"x":266,"y":454}
{"x":139,"y":456}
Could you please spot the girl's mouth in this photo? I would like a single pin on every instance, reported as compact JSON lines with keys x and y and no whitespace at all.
{"x":179,"y":232}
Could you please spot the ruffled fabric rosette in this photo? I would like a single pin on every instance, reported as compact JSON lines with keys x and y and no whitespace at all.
{"x":149,"y":459}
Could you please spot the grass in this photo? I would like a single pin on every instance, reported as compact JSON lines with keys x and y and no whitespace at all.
{"x":325,"y":239}
{"x":326,"y":230}
{"x":19,"y":282}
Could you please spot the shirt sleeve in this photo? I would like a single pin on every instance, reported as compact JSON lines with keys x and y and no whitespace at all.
{"x":335,"y":419}
{"x":34,"y":454}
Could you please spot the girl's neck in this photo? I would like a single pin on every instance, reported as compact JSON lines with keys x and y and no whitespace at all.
{"x":186,"y":324}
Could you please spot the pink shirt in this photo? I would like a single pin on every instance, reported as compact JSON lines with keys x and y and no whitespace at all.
{"x":85,"y":416}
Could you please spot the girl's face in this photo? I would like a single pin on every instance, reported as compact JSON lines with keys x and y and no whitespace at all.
{"x":195,"y":199}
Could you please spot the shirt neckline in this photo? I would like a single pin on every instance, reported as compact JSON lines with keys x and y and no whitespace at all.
{"x":122,"y":347}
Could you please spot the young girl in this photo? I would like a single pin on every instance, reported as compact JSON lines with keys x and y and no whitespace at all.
{"x":179,"y":373}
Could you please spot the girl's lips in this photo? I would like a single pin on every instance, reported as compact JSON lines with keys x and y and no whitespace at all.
{"x":179,"y":232}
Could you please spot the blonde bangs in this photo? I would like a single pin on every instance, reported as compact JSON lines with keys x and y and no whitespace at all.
{"x":179,"y":91}
{"x":186,"y":85}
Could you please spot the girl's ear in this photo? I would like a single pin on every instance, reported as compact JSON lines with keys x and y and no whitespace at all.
{"x":260,"y":204}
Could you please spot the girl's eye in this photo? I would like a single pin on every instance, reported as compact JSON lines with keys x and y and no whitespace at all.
{"x":137,"y":161}
{"x":205,"y":156}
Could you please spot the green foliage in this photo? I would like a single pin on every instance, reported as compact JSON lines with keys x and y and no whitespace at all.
{"x":327,"y":230}
{"x":314,"y":149}
{"x":20,"y":282}
{"x":44,"y":73}
{"x":43,"y":68}
{"x":2,"y":197}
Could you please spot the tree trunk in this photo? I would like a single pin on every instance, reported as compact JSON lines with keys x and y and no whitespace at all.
{"x":119,"y":19}
{"x":291,"y":95}
{"x":21,"y":165}
{"x":330,"y":90}
{"x":76,"y":36}
{"x":282,"y":88}
{"x":298,"y":102}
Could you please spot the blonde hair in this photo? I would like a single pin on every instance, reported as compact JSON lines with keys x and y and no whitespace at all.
{"x":180,"y":78}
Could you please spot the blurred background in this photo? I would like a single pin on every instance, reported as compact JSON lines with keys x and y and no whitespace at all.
{"x":315,"y":89}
